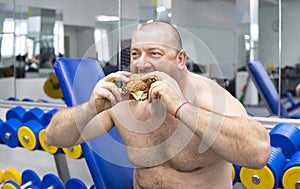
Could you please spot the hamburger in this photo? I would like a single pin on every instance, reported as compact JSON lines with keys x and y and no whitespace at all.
{"x":138,"y":88}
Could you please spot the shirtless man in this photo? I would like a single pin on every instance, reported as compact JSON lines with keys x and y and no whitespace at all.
{"x":172,"y":144}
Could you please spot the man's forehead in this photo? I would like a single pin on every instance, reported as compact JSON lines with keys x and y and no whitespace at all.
{"x":151,"y":45}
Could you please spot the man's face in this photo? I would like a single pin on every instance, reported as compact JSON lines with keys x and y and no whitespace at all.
{"x":151,"y":51}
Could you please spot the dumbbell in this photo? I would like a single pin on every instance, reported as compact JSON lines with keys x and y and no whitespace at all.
{"x":9,"y":132}
{"x":285,"y":137}
{"x":33,"y":114}
{"x":73,"y":183}
{"x":1,"y":175}
{"x":48,"y":116}
{"x":269,"y":176}
{"x":28,"y":134}
{"x":1,"y":122}
{"x":48,"y":148}
{"x":11,"y":174}
{"x":42,"y":101}
{"x":235,"y":173}
{"x":29,"y":180}
{"x":16,"y":112}
{"x":74,"y":152}
{"x":50,"y":181}
{"x":13,"y":99}
{"x":27,"y":100}
{"x":291,"y":173}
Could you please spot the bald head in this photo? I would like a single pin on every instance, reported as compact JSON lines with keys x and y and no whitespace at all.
{"x":165,"y":33}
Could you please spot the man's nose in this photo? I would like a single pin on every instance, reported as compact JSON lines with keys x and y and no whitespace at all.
{"x":143,"y":61}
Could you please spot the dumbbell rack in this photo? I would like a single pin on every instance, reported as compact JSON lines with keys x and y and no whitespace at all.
{"x":60,"y":159}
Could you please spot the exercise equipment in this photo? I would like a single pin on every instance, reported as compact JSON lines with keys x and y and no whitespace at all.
{"x":47,"y":116}
{"x":29,"y":180}
{"x":28,"y":134}
{"x":51,"y":181}
{"x":27,"y":100}
{"x":13,"y":99}
{"x":269,"y":93}
{"x":108,"y":168}
{"x":12,"y":174}
{"x":73,"y":183}
{"x":52,"y":87}
{"x":1,"y":175}
{"x":291,"y":173}
{"x":16,"y":112}
{"x":74,"y":152}
{"x":235,"y":173}
{"x":9,"y":132}
{"x":285,"y":137}
{"x":1,"y":122}
{"x":42,"y":101}
{"x":268,"y":177}
{"x":33,"y":114}
{"x":48,"y":148}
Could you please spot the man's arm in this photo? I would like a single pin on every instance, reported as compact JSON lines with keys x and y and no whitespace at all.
{"x":68,"y":124}
{"x":220,"y":121}
{"x":224,"y":127}
{"x":237,"y":138}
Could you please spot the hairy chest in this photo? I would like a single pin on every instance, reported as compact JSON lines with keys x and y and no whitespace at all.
{"x":153,"y":137}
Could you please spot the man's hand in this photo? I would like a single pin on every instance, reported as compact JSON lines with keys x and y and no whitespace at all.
{"x":166,"y":89}
{"x":106,"y":93}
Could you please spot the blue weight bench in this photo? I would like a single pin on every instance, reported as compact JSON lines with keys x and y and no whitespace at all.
{"x":268,"y":92}
{"x":105,"y":155}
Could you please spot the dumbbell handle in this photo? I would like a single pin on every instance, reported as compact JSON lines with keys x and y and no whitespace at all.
{"x":26,"y":185}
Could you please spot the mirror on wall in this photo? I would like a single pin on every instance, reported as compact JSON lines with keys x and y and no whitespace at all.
{"x":32,"y":38}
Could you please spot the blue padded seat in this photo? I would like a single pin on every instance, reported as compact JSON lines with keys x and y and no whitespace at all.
{"x":105,"y":155}
{"x":267,"y":90}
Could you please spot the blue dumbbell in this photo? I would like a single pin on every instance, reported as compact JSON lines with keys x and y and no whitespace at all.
{"x":34,"y":114}
{"x":29,"y":180}
{"x":51,"y":181}
{"x":235,"y":173}
{"x":13,"y":99}
{"x":48,"y":148}
{"x":286,"y":137}
{"x":73,"y":183}
{"x":27,"y":100}
{"x":1,"y":122}
{"x":47,"y":116}
{"x":266,"y":177}
{"x":291,"y":172}
{"x":16,"y":112}
{"x":28,"y":134}
{"x":9,"y":132}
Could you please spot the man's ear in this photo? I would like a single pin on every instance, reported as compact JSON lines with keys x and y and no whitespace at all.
{"x":181,"y":59}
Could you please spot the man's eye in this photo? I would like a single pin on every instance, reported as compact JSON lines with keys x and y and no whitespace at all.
{"x":134,"y":54}
{"x":156,"y":54}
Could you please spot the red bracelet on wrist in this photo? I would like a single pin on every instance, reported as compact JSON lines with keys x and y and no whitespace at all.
{"x":175,"y":115}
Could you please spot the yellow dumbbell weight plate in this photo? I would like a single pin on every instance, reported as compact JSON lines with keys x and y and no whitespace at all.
{"x":48,"y":148}
{"x":233,"y":173}
{"x":291,"y":177}
{"x":27,"y":138}
{"x":1,"y":175}
{"x":9,"y":186}
{"x":262,"y":178}
{"x":12,"y":174}
{"x":74,"y":152}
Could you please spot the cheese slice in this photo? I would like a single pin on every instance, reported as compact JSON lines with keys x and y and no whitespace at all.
{"x":137,"y":95}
